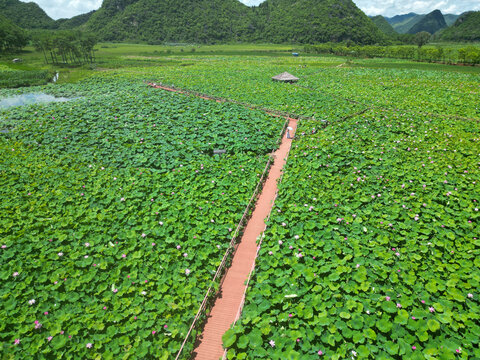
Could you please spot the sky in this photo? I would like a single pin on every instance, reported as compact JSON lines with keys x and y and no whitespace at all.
{"x":68,"y":8}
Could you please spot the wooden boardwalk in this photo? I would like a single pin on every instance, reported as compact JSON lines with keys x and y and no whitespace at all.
{"x":229,"y":301}
{"x":230,"y":298}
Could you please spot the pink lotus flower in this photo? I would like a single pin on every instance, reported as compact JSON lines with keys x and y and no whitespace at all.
{"x":17,"y":341}
{"x":153,"y":244}
{"x":387,"y":298}
{"x":50,"y":338}
{"x":124,"y":255}
{"x":87,"y":244}
{"x":153,"y":332}
{"x":432,"y":309}
{"x":399,"y":305}
{"x":89,"y":345}
{"x":470,"y":296}
{"x":272,"y":343}
{"x":414,"y":347}
{"x":187,"y":271}
{"x":143,"y":235}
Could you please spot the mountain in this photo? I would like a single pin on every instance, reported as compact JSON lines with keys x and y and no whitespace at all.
{"x":309,"y":21}
{"x":158,"y":21}
{"x":206,"y":21}
{"x":384,"y":25}
{"x":26,"y":15}
{"x":466,"y":28}
{"x":450,"y":18}
{"x":76,"y":21}
{"x":430,"y":23}
{"x":397,"y":19}
{"x":403,"y":23}
{"x":12,"y":38}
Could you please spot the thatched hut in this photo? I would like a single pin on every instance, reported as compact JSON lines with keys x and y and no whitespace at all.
{"x":285,"y":77}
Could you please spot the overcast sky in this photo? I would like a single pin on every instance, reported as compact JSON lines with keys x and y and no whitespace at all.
{"x":68,"y":8}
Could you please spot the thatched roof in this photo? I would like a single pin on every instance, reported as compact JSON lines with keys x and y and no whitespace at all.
{"x":286,"y":77}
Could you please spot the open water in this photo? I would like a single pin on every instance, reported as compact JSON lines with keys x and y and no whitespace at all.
{"x":29,"y":99}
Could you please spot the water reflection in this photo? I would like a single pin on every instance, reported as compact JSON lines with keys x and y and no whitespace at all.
{"x":28,"y":99}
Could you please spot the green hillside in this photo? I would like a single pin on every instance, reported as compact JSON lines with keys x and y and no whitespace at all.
{"x":430,"y":23}
{"x":207,"y":21}
{"x":466,"y":28}
{"x":309,"y":21}
{"x":403,"y":23}
{"x":450,"y":18}
{"x":26,"y":15}
{"x":12,"y":37}
{"x":199,"y":21}
{"x":76,"y":21}
{"x":383,"y":25}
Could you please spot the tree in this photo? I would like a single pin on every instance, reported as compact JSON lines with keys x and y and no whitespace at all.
{"x":71,"y":47}
{"x":12,"y":38}
{"x":422,"y":38}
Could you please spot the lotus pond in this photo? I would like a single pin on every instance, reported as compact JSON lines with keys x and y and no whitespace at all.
{"x":115,"y":213}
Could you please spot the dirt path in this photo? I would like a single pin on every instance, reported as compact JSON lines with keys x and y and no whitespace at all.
{"x":230,"y":298}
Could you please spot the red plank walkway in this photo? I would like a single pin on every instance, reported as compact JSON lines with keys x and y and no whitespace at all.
{"x":230,"y":299}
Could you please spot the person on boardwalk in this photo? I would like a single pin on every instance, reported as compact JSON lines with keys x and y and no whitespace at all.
{"x":288,"y":132}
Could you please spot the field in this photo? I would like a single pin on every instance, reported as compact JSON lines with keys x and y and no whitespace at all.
{"x":115,"y":214}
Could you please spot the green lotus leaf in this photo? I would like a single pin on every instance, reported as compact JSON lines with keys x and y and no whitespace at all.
{"x":433,"y":325}
{"x":384,"y":325}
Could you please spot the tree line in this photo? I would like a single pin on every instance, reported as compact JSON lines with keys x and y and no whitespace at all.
{"x":465,"y":55}
{"x":66,"y":47}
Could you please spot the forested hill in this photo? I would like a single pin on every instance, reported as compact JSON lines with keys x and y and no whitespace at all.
{"x":383,"y":25}
{"x":12,"y":38}
{"x":430,"y":23}
{"x":26,"y":15}
{"x":310,"y":21}
{"x":403,"y":23}
{"x":205,"y":21}
{"x":466,"y":28}
{"x":158,"y":21}
{"x":76,"y":21}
